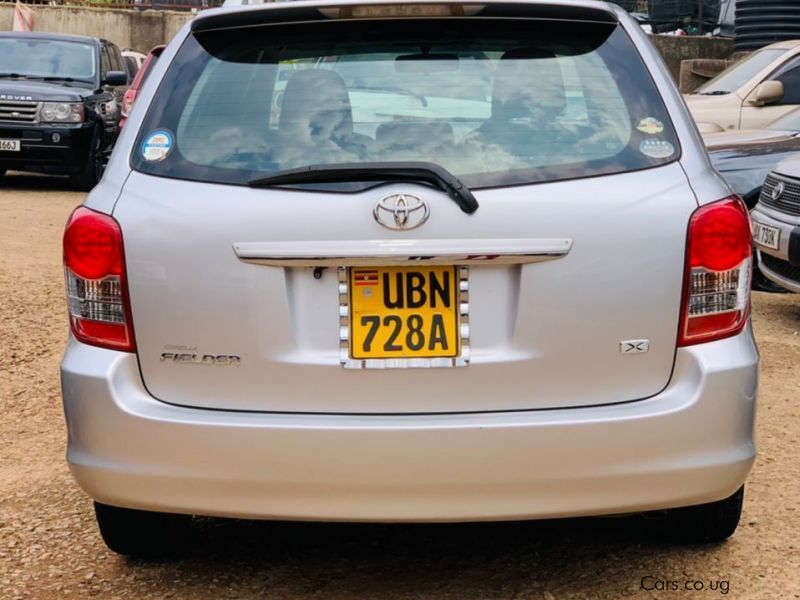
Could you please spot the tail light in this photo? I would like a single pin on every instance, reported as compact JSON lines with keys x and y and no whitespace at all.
{"x":719,"y":258}
{"x":127,"y":102}
{"x":97,"y":290}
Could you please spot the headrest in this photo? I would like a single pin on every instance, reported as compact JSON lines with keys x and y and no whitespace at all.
{"x":528,"y":85}
{"x":415,"y":135}
{"x":316,"y":105}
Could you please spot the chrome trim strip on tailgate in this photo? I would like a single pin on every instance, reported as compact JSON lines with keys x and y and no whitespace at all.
{"x":338,"y":253}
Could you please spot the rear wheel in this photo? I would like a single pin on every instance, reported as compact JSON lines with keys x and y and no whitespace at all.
{"x":705,"y":523}
{"x":140,"y":533}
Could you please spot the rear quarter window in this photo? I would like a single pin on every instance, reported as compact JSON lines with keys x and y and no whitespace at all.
{"x":495,"y":102}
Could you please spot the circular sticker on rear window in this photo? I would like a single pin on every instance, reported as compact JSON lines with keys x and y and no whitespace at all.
{"x":157,"y":145}
{"x":655,"y":148}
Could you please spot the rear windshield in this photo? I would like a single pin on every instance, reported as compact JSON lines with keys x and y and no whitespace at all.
{"x":495,"y":102}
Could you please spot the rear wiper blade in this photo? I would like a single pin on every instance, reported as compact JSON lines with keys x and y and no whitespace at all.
{"x":377,"y":171}
{"x":13,"y":75}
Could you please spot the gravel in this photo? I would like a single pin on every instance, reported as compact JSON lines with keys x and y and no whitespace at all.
{"x":50,"y":547}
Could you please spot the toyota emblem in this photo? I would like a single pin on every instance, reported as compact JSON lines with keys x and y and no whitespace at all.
{"x":777,"y":191}
{"x":401,"y":211}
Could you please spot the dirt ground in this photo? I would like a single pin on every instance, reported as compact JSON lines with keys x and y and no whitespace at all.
{"x":50,"y":548}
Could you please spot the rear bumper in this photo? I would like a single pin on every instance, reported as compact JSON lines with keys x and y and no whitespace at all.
{"x":691,"y":444}
{"x":54,"y":149}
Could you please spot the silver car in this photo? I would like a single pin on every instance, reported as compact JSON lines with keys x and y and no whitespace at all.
{"x":776,"y":225}
{"x":472,"y":264}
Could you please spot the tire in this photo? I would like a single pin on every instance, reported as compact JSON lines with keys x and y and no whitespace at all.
{"x":140,"y":533}
{"x":702,"y":524}
{"x":88,"y":177}
{"x":2,"y":172}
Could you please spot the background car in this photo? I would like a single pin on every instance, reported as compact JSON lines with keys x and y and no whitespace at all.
{"x":60,"y":99}
{"x":131,"y":67}
{"x":745,"y":157}
{"x":776,"y":225}
{"x":130,"y":94}
{"x":136,"y":56}
{"x":752,"y":93}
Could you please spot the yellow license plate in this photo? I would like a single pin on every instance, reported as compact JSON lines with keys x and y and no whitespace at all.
{"x":404,"y":312}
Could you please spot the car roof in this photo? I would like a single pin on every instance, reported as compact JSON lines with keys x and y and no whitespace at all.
{"x":60,"y":37}
{"x":784,"y":45}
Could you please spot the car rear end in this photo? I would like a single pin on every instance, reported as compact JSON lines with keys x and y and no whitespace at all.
{"x":254,"y":337}
{"x":142,"y":74}
{"x":776,"y":226}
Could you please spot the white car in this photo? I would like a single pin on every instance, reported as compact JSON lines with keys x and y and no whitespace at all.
{"x":752,"y":93}
{"x":138,"y":57}
{"x":409,"y":263}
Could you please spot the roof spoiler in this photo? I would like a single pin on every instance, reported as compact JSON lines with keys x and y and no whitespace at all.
{"x":314,"y":10}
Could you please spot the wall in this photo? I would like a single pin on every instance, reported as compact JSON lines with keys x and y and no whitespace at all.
{"x":127,"y":28}
{"x":675,"y":48}
{"x":144,"y":29}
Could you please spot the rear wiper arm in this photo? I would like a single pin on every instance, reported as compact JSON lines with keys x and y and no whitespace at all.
{"x":377,"y":171}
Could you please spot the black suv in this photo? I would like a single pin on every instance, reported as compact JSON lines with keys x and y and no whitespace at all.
{"x":60,"y":101}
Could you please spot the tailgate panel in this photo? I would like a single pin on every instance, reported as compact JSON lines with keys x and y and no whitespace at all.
{"x":542,"y":334}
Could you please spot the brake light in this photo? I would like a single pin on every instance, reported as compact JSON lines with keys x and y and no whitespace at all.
{"x":127,"y":102}
{"x":719,"y":258}
{"x":97,"y":290}
{"x":401,"y":10}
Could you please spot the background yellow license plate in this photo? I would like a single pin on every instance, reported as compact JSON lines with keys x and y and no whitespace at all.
{"x":404,"y":312}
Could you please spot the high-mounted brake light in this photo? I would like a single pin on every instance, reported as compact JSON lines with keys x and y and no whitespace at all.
{"x":719,"y":258}
{"x":97,"y":291}
{"x":398,"y":11}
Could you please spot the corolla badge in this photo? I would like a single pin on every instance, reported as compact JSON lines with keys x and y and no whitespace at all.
{"x":401,"y":211}
{"x":777,"y":191}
